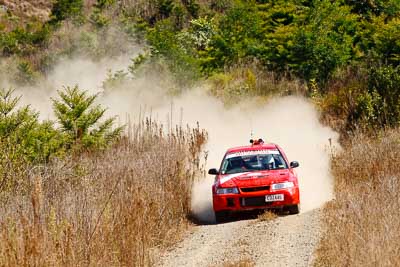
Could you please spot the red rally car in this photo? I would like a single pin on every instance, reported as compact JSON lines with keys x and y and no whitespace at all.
{"x":255,"y":177}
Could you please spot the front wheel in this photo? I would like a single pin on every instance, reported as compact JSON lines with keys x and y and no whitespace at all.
{"x":221,"y":216}
{"x":295,"y":209}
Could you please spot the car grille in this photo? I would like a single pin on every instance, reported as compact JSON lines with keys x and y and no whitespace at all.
{"x":254,"y":189}
{"x":254,"y":201}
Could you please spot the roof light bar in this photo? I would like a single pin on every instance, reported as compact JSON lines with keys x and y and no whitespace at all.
{"x":256,"y":142}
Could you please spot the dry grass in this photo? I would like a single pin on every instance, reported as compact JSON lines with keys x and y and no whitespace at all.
{"x":240,"y":263}
{"x":363,"y":223}
{"x":23,"y":11}
{"x":104,"y":209}
{"x":267,"y":216}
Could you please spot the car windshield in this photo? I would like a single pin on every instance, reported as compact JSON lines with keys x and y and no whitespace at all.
{"x":248,"y":161}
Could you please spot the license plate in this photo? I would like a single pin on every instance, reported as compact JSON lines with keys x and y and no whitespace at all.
{"x":271,"y":198}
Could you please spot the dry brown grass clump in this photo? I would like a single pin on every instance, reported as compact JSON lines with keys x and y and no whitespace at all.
{"x":104,"y":209}
{"x":245,"y":262}
{"x":24,"y":11}
{"x":363,"y":222}
{"x":267,"y":216}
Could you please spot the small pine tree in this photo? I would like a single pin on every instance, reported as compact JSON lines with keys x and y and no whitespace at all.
{"x":25,"y":75}
{"x":12,"y":120}
{"x":21,"y":130}
{"x":80,"y":118}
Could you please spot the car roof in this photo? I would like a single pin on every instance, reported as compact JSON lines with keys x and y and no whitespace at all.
{"x":252,"y":148}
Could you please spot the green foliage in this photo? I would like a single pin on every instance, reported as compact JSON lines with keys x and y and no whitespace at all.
{"x":67,"y":9}
{"x":24,"y":41}
{"x":25,"y":74}
{"x":325,"y":44}
{"x":309,"y":41}
{"x":115,"y":80}
{"x":384,"y":82}
{"x":25,"y":137}
{"x":378,"y":105}
{"x":165,"y":7}
{"x":238,"y":37}
{"x":137,"y":62}
{"x":281,"y":23}
{"x":102,"y":4}
{"x":80,"y":119}
{"x":386,"y":40}
{"x":220,"y":5}
{"x":97,"y":17}
{"x":21,"y":129}
{"x":192,"y":7}
{"x":368,"y":8}
{"x":201,"y":31}
{"x":176,"y":49}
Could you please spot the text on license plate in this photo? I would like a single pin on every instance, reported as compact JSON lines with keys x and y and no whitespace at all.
{"x":277,"y":197}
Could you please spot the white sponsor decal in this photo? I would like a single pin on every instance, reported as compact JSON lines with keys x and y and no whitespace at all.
{"x":255,"y":174}
{"x":253,"y":152}
{"x":231,"y":176}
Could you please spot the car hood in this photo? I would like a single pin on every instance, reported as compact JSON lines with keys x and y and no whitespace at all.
{"x":257,"y":178}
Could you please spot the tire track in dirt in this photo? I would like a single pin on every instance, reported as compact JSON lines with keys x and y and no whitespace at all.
{"x":284,"y":241}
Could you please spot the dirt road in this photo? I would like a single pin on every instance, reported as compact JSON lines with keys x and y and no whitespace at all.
{"x":284,"y":241}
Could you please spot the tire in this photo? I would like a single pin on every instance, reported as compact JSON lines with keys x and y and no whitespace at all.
{"x":221,"y":216}
{"x":295,"y":209}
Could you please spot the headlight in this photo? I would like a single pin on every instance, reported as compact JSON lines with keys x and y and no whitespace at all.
{"x":230,"y":190}
{"x":282,"y":185}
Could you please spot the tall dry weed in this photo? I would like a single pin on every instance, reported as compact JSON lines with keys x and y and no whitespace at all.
{"x":363,"y":222}
{"x":105,"y":209}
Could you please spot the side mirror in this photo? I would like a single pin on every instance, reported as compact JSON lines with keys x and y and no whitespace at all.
{"x":213,"y":171}
{"x":294,"y":164}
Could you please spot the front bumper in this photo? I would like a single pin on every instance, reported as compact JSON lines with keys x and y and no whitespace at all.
{"x":255,"y":200}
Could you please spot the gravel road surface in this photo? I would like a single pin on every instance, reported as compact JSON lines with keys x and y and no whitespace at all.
{"x":284,"y":241}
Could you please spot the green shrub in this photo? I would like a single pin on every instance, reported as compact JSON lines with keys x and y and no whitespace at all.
{"x":25,"y":74}
{"x":377,"y":104}
{"x":137,"y":62}
{"x":374,"y":7}
{"x":220,"y":5}
{"x":385,"y":83}
{"x":238,"y":37}
{"x":102,"y":4}
{"x":97,"y":17}
{"x":24,"y":40}
{"x":165,"y":7}
{"x":67,"y":9}
{"x":325,"y":43}
{"x":179,"y":54}
{"x":20,"y":129}
{"x":80,"y":120}
{"x":201,"y":32}
{"x":386,"y":40}
{"x":368,"y":111}
{"x":115,"y":80}
{"x":192,"y":7}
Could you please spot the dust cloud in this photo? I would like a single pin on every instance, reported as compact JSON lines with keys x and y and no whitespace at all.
{"x":291,"y":122}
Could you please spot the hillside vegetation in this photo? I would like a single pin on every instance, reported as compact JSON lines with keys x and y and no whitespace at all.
{"x":72,"y":189}
{"x":346,"y":53}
